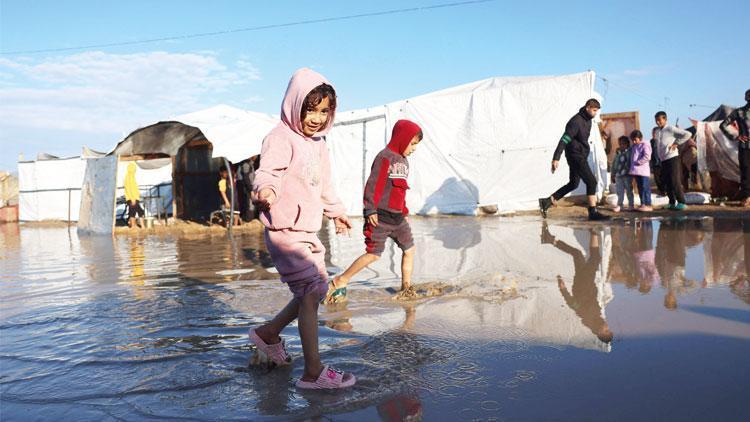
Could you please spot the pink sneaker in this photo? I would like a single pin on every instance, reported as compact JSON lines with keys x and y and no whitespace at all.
{"x":645,"y":208}
{"x":616,"y":209}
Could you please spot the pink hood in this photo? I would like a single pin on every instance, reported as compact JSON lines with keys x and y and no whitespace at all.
{"x":303,"y":81}
{"x":297,"y":168}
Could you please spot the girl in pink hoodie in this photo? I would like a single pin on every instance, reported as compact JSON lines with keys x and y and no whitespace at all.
{"x":293,"y":189}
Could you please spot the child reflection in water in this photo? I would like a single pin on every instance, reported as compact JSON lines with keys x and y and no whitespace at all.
{"x":582,"y":298}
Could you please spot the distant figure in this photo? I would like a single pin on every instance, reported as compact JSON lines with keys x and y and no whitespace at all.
{"x":621,"y":174}
{"x":582,"y":297}
{"x":226,"y":205}
{"x":639,"y":169}
{"x":293,"y":188}
{"x":668,"y":138}
{"x":385,"y":209}
{"x":575,"y":143}
{"x":737,"y":127}
{"x":655,"y":163}
{"x":133,"y":197}
{"x":245,"y":179}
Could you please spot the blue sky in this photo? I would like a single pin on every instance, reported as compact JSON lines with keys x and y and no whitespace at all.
{"x":55,"y":102}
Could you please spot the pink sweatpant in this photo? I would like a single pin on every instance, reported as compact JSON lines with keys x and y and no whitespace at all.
{"x":300,"y":259}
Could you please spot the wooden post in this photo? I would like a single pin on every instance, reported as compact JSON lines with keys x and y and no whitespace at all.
{"x":174,"y":191}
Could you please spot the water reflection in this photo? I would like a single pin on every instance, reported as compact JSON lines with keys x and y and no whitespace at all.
{"x":583,"y":296}
{"x":155,"y":326}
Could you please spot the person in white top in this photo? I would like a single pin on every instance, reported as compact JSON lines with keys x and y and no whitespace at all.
{"x":668,"y":138}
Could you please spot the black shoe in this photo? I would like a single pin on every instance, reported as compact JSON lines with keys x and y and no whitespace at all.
{"x":544,"y":205}
{"x":595,"y":215}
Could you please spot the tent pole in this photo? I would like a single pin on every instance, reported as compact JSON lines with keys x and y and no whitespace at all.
{"x":364,"y":154}
{"x":231,"y":200}
{"x":68,"y":205}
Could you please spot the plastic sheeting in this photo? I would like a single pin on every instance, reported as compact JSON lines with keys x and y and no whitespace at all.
{"x":716,"y":152}
{"x":235,"y":134}
{"x":486,"y":143}
{"x":50,"y":189}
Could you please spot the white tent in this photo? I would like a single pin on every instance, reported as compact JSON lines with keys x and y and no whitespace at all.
{"x":486,"y":143}
{"x":234,"y":133}
{"x":50,"y":188}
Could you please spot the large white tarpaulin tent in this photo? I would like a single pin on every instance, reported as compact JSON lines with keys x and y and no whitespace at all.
{"x":486,"y":143}
{"x":50,"y":188}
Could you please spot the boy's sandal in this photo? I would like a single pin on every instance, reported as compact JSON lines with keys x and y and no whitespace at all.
{"x":275,"y":352}
{"x":334,"y":295}
{"x":329,"y":378}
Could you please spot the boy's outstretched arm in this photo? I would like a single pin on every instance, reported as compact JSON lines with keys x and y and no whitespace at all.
{"x":565,"y":139}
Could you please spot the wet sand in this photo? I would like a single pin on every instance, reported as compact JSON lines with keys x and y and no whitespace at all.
{"x":514,"y":319}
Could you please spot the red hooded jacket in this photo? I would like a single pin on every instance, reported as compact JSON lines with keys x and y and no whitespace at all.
{"x":386,"y":187}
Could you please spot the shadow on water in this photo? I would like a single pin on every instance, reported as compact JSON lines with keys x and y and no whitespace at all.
{"x":585,"y":316}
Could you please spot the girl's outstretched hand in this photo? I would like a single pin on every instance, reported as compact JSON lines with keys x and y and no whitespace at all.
{"x":264,"y":199}
{"x":342,"y":224}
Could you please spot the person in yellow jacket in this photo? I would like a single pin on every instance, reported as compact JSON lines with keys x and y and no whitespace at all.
{"x":133,"y":197}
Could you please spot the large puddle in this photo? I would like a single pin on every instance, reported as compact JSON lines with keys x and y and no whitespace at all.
{"x":638,"y":319}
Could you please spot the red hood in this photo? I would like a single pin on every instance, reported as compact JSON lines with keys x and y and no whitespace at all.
{"x":403,"y":132}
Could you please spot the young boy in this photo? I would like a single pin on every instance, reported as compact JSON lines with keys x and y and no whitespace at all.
{"x":740,"y":118}
{"x":621,"y":174}
{"x":575,"y":143}
{"x":668,"y":138}
{"x":385,"y":209}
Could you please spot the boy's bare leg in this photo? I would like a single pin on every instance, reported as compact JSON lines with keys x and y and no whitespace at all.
{"x":358,"y":265}
{"x":269,"y":332}
{"x":308,"y":332}
{"x":407,"y":266}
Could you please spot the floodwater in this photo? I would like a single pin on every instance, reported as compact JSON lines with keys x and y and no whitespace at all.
{"x":632,"y":320}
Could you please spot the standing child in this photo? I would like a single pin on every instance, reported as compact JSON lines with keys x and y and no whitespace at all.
{"x":621,"y":173}
{"x":639,"y":169}
{"x":668,"y":138}
{"x":293,"y":187}
{"x":655,"y":164}
{"x":385,"y":209}
{"x":133,"y":197}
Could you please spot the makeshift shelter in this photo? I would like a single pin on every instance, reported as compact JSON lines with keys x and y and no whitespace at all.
{"x":717,"y":154}
{"x":181,"y":158}
{"x":485,"y":143}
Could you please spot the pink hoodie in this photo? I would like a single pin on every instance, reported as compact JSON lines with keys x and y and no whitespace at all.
{"x":296,"y":167}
